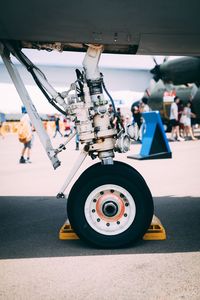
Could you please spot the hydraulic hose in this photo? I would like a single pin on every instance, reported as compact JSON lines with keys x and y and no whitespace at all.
{"x":113,"y":104}
{"x":30,"y":68}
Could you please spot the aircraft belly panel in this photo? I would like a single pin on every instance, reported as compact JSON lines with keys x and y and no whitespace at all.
{"x":128,"y":26}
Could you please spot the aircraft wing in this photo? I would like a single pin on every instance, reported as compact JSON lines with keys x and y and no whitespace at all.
{"x":131,"y":26}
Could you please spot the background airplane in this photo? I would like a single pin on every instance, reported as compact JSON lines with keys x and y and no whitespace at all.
{"x":178,"y":77}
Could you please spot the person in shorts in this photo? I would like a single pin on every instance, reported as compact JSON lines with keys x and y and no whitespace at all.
{"x":27,"y":145}
{"x":174,"y":120}
{"x":186,"y":120}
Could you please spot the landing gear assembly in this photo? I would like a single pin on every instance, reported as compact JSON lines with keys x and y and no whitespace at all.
{"x":110,"y":205}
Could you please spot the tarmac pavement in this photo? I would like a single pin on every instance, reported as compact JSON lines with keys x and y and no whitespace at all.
{"x":35,"y":264}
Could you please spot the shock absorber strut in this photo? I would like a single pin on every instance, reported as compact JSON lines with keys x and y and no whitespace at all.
{"x":104,"y":134}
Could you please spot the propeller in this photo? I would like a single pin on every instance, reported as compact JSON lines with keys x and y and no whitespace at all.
{"x":156,"y":70}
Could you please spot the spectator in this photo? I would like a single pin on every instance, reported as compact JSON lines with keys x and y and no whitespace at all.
{"x":25,"y":136}
{"x":57,"y":124}
{"x":137,"y":118}
{"x":119,"y":120}
{"x":174,"y":120}
{"x":2,"y":120}
{"x":67,"y":127}
{"x":77,"y":139}
{"x":186,"y":120}
{"x":180,"y":111}
{"x":111,"y":115}
{"x":1,"y":126}
{"x":144,"y":107}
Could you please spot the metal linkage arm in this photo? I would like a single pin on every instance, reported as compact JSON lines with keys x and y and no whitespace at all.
{"x":72,"y":173}
{"x":26,"y":100}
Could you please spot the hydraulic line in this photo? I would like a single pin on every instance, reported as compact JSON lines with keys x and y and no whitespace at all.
{"x":113,"y":105}
{"x":111,"y":99}
{"x":30,"y":67}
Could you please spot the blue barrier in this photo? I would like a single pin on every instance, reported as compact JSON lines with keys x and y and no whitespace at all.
{"x":154,"y":141}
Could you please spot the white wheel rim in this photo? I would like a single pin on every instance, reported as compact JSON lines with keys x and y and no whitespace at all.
{"x":110,"y":209}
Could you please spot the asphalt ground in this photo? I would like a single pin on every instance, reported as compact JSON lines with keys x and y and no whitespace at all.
{"x":35,"y":264}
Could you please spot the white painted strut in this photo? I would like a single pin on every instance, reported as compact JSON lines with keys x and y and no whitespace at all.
{"x":32,"y":112}
{"x":91,"y":61}
{"x":72,"y":173}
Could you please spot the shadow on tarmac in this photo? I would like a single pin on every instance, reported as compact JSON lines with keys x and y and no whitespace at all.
{"x":29,"y":228}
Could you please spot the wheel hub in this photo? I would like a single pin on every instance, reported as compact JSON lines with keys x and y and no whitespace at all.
{"x":110,"y":209}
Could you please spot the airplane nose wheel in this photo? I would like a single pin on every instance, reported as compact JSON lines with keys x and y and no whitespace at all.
{"x":110,"y":206}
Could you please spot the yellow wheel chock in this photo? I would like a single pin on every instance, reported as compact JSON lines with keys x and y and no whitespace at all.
{"x":67,"y":233}
{"x":155,"y":232}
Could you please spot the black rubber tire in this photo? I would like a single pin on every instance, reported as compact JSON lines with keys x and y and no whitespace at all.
{"x":119,"y":174}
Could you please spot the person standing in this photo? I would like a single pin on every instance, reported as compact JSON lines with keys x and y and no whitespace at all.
{"x":174,"y":120}
{"x":180,"y":111}
{"x":57,"y":124}
{"x":1,"y":126}
{"x":186,"y":120}
{"x":137,"y":118}
{"x":144,"y":108}
{"x":119,"y":120}
{"x":136,"y":121}
{"x":2,"y":120}
{"x":25,"y":136}
{"x":111,"y":115}
{"x":77,"y":140}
